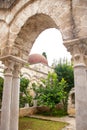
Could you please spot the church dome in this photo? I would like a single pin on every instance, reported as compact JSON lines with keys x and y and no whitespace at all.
{"x":37,"y":58}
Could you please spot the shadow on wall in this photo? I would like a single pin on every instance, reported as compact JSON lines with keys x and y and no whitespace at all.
{"x":71,"y":103}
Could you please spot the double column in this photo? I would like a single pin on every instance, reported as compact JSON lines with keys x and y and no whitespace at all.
{"x":10,"y":102}
{"x":78,"y":51}
{"x":6,"y":101}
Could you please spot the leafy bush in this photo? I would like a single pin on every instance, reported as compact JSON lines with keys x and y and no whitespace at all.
{"x":54,"y":112}
{"x":24,"y":93}
{"x":48,"y":95}
{"x":65,"y":70}
{"x":51,"y":91}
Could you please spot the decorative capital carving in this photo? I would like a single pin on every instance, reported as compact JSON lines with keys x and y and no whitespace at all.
{"x":12,"y":64}
{"x":17,"y":70}
{"x":78,"y":50}
{"x":9,"y":65}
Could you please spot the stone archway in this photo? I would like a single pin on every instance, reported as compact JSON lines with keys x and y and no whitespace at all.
{"x":14,"y":55}
{"x":30,"y":31}
{"x":70,"y":18}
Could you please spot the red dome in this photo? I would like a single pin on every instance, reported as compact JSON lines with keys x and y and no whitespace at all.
{"x":37,"y":58}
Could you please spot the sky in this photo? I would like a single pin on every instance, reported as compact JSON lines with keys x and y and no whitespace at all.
{"x":50,"y":41}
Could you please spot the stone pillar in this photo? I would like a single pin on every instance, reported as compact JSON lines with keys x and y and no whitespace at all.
{"x":80,"y":72}
{"x":78,"y":49}
{"x":10,"y":102}
{"x":15,"y":98}
{"x":6,"y":101}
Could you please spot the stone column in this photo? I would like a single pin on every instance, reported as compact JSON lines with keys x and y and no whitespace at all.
{"x":80,"y":74}
{"x":15,"y":98}
{"x":81,"y":96}
{"x":6,"y":101}
{"x":78,"y":50}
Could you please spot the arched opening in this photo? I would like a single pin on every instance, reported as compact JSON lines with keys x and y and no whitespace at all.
{"x":25,"y":39}
{"x":50,"y":41}
{"x":30,"y":31}
{"x":67,"y":12}
{"x":36,"y":26}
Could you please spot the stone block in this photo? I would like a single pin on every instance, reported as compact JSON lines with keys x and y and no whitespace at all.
{"x":27,"y":111}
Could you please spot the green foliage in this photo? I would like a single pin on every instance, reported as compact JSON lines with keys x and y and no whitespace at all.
{"x":24,"y":93}
{"x":65,"y":70}
{"x":51,"y":92}
{"x":63,"y":94}
{"x":59,"y":113}
{"x":47,"y":93}
{"x":25,"y":99}
{"x":23,"y":85}
{"x":54,"y":112}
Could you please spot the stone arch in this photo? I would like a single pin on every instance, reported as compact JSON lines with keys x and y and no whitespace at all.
{"x":70,"y":16}
{"x":60,"y":11}
{"x":29,"y":32}
{"x":3,"y":35}
{"x":21,"y":16}
{"x":26,"y":75}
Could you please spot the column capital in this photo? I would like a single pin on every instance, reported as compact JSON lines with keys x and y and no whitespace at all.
{"x":12,"y":63}
{"x":9,"y":65}
{"x":17,"y":70}
{"x":78,"y":50}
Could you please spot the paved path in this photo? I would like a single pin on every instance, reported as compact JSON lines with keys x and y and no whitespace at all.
{"x":70,"y":120}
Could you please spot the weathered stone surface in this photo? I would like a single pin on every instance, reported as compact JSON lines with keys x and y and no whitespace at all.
{"x":6,"y":3}
{"x":71,"y":103}
{"x":78,"y":49}
{"x":21,"y":22}
{"x":80,"y":17}
{"x":27,"y":111}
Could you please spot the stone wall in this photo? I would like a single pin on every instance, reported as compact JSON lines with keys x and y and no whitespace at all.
{"x":80,"y":17}
{"x":6,"y":4}
{"x":71,"y":103}
{"x":27,"y":111}
{"x":36,"y":71}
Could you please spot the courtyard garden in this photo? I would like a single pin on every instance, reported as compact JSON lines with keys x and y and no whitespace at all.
{"x":56,"y":90}
{"x":27,"y":123}
{"x":51,"y":96}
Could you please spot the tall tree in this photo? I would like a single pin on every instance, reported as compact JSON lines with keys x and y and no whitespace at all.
{"x":51,"y":92}
{"x":64,"y":70}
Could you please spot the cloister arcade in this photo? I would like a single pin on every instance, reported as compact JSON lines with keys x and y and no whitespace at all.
{"x":21,"y":21}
